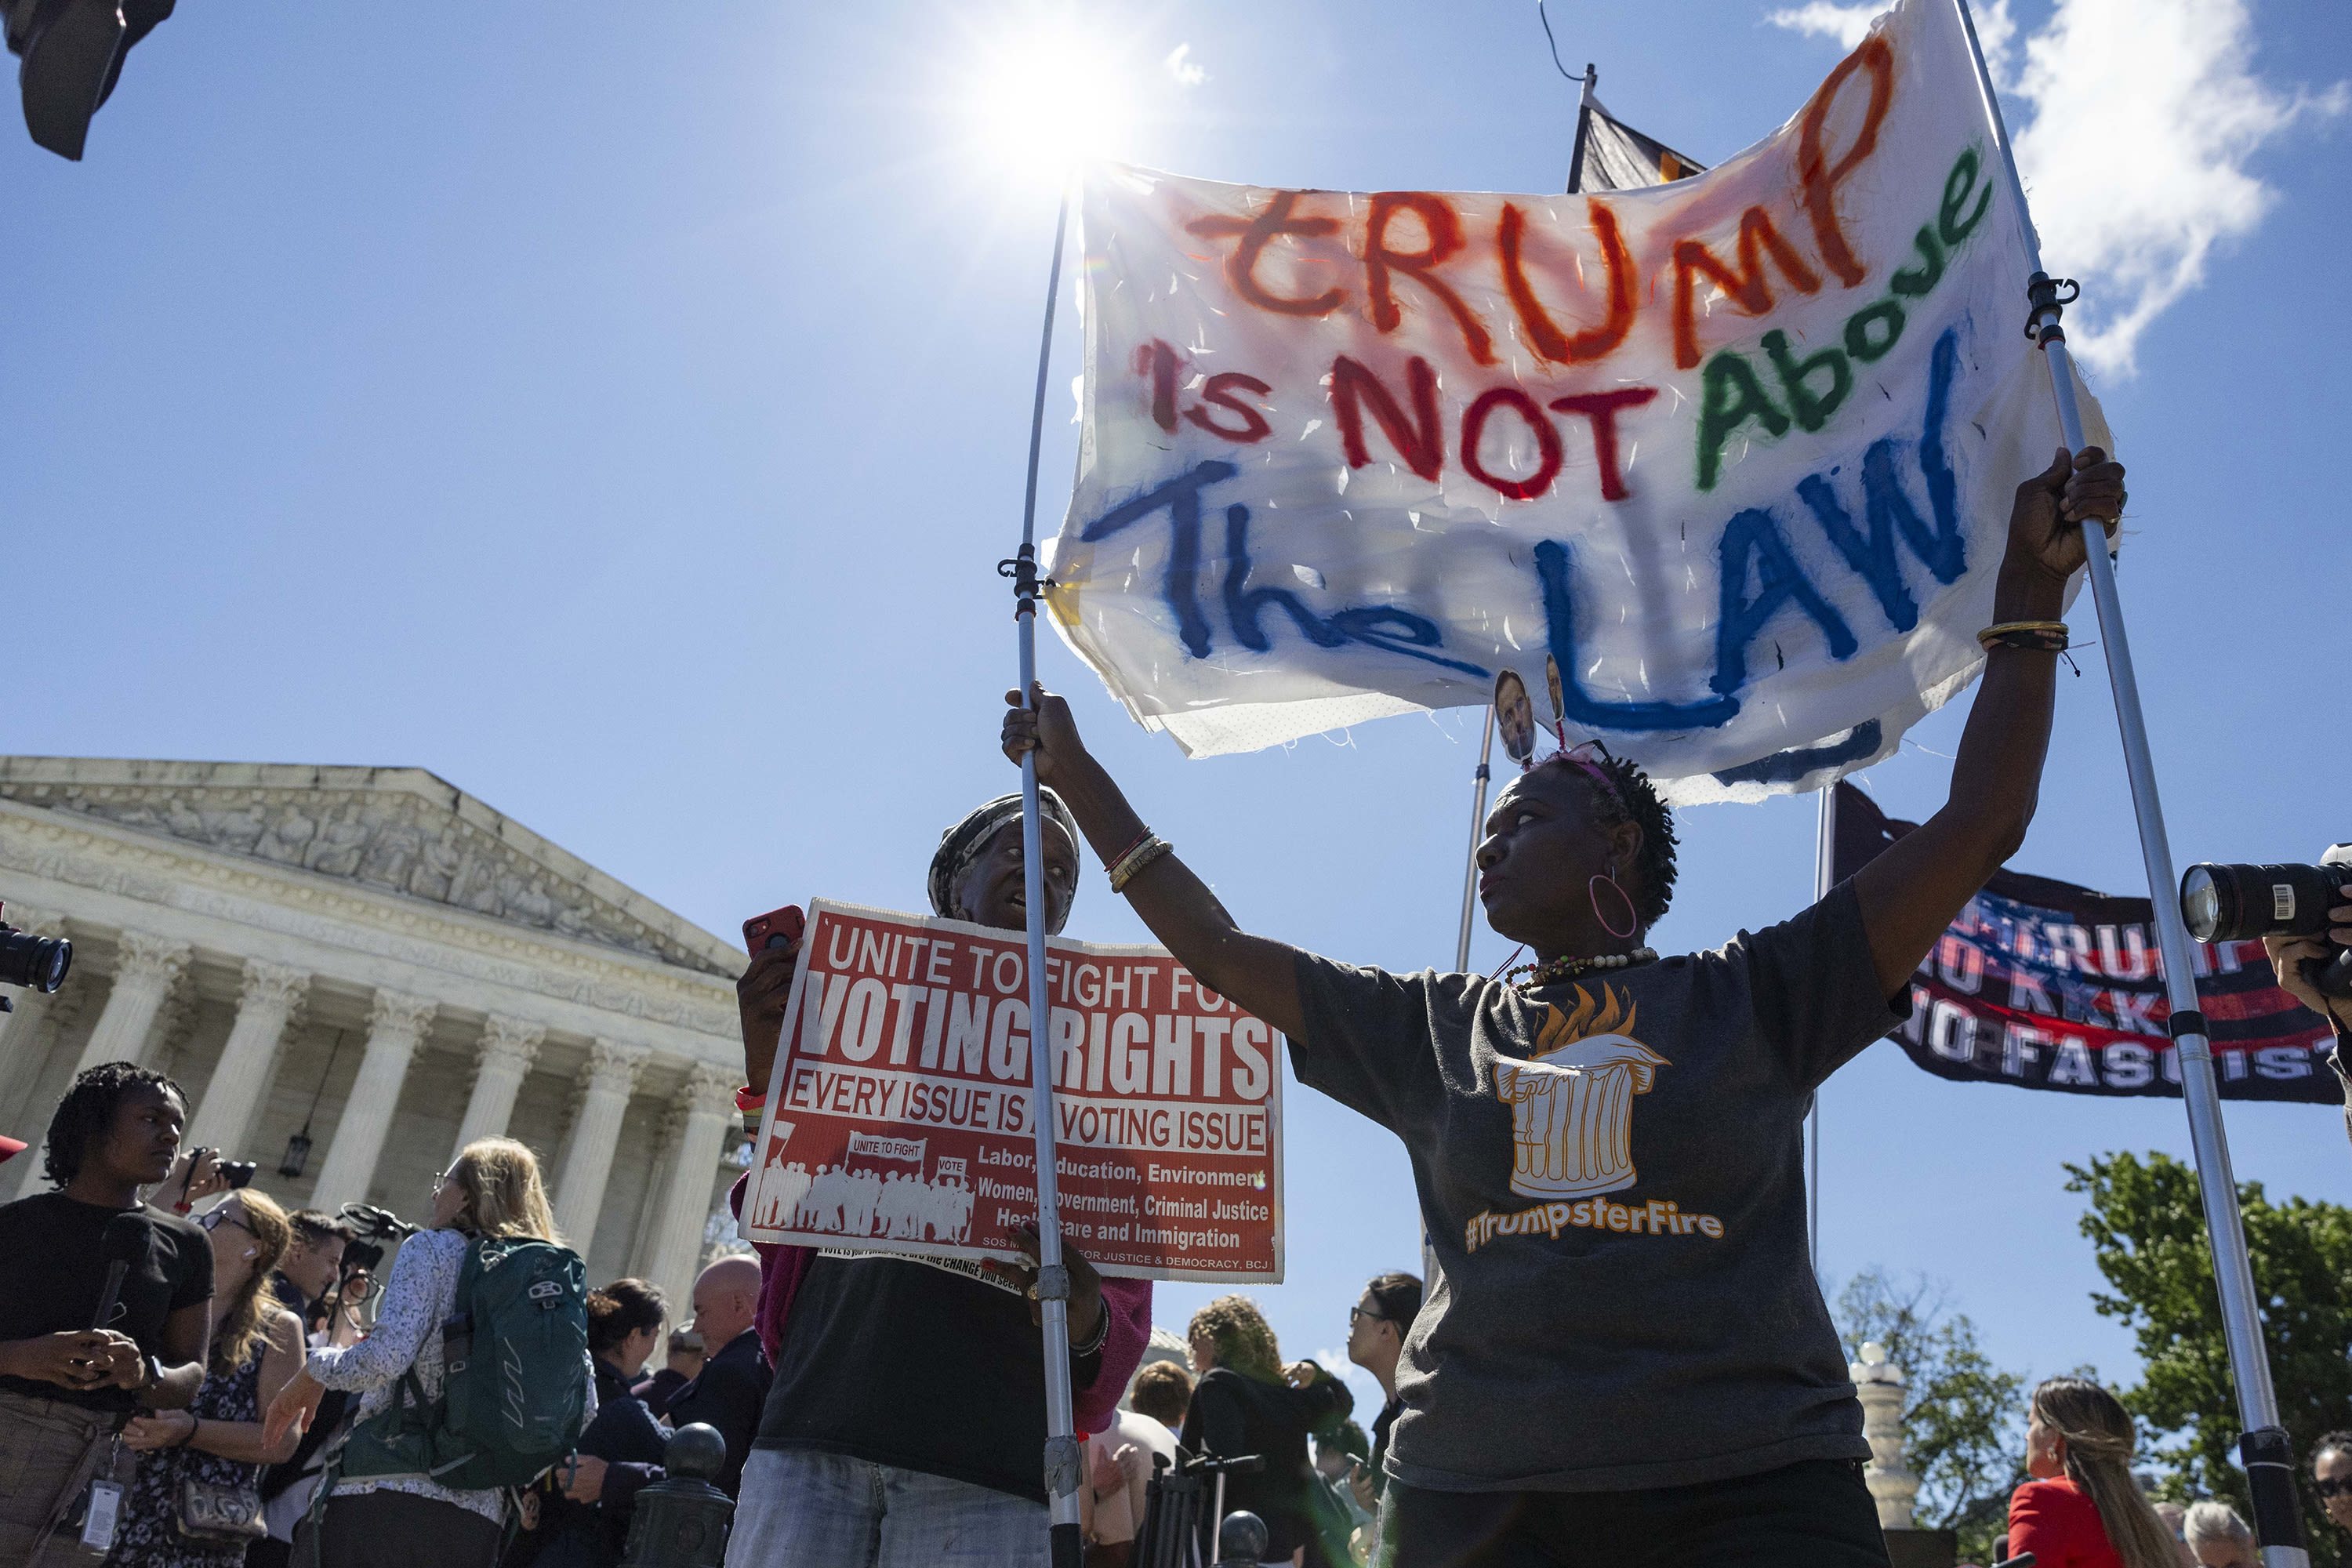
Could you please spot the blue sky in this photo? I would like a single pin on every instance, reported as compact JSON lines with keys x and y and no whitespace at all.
{"x":621,"y":416}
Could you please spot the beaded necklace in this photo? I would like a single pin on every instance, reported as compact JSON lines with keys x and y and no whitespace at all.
{"x":1568,"y":968}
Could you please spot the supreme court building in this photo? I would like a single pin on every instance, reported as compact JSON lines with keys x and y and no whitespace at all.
{"x":377,"y":960}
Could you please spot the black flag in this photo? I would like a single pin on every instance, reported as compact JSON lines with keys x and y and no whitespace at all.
{"x":1612,"y":157}
{"x":2039,"y":983}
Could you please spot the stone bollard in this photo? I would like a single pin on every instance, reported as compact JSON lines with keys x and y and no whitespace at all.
{"x":1879,"y":1381}
{"x":682,"y":1520}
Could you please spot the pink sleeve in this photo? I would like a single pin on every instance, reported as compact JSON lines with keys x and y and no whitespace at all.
{"x":781,"y":1268}
{"x":1128,"y":1302}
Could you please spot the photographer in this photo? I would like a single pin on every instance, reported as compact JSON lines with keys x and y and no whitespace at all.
{"x":906,"y":1418}
{"x":492,"y":1189}
{"x":323,"y":1278}
{"x":312,"y":1264}
{"x":199,"y":1464}
{"x":1621,"y":1360}
{"x":2288,"y":955}
{"x":66,"y":1388}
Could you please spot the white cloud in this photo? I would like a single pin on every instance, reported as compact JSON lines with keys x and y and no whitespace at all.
{"x":1182,"y":67}
{"x":1845,"y":24}
{"x":2134,"y":123}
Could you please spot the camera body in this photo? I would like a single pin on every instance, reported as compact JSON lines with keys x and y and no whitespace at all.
{"x":234,"y":1174}
{"x":2244,"y":903}
{"x":374,"y":1228}
{"x":72,"y":52}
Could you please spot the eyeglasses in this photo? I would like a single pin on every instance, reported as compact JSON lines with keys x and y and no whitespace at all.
{"x":220,"y":1217}
{"x":2333,"y":1487}
{"x":1357,"y":1315}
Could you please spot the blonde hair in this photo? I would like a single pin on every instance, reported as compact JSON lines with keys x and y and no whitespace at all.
{"x":2100,"y":1441}
{"x":1244,"y":1340}
{"x":243,"y":1323}
{"x":504,"y":1195}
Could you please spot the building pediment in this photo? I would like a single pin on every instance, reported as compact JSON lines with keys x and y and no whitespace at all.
{"x":398,"y":830}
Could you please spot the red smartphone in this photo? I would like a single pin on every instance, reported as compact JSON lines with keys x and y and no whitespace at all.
{"x":773,"y":929}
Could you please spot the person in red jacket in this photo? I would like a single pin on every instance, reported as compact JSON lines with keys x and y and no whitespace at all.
{"x":2082,"y":1510}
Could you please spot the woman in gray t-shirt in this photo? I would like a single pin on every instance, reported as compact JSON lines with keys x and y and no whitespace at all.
{"x":1626,"y":1358}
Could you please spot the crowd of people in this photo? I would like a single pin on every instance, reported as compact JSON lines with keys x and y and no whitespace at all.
{"x":205,"y":1401}
{"x":178,"y":1389}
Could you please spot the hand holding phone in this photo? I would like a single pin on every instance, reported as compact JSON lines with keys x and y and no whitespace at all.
{"x":777,"y":928}
{"x":774,"y":941}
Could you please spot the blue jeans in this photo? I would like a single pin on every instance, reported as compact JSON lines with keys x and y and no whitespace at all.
{"x":801,"y":1509}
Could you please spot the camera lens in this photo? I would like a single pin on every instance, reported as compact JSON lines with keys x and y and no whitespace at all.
{"x":2200,"y":902}
{"x":2240,"y":903}
{"x":40,"y":961}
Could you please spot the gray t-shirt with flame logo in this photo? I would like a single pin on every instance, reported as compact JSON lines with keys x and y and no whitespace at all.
{"x":1612,"y":1175}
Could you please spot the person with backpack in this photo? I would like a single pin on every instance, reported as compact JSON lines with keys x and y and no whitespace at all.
{"x":426,"y":1475}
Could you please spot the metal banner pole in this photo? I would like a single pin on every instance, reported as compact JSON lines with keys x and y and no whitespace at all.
{"x":2262,"y":1444}
{"x":1477,"y":832}
{"x":1824,"y":870}
{"x":1063,"y":1452}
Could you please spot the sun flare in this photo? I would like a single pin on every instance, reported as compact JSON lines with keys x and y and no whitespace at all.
{"x":1046,"y":95}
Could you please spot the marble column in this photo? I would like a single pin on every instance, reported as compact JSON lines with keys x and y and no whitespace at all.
{"x":1892,"y":1486}
{"x":395,"y":1024}
{"x":37,"y":1097}
{"x":272,"y":995}
{"x":609,"y":1077}
{"x":20,"y":1063}
{"x":644,"y":1242}
{"x":145,"y":967}
{"x":502,"y":1059}
{"x":707,"y":1098}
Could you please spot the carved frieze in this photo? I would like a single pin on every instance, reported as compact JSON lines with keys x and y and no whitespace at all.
{"x":390,"y":840}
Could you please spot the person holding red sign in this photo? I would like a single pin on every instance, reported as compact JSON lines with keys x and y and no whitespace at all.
{"x":1626,"y":1359}
{"x":906,"y":1423}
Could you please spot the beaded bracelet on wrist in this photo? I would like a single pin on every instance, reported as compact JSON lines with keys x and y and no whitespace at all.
{"x":1135,"y":860}
{"x":2030,"y":636}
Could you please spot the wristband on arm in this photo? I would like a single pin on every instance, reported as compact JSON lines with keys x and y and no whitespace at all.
{"x":1095,"y":1340}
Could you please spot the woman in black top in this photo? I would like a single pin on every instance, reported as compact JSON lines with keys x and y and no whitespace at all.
{"x":1247,"y":1402}
{"x":65,"y":1387}
{"x":585,"y":1523}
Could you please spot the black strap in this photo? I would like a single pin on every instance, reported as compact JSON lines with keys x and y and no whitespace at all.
{"x":2187,"y":1021}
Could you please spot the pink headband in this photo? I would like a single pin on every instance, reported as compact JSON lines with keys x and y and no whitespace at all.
{"x":1581,"y":757}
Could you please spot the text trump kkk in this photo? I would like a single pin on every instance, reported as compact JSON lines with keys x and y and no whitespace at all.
{"x":899,"y":1114}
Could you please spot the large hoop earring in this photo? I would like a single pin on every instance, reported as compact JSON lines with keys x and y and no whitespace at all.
{"x":1633,"y":916}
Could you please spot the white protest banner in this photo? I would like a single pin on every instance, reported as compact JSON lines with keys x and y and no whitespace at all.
{"x":1738,"y":451}
{"x":897,"y":1116}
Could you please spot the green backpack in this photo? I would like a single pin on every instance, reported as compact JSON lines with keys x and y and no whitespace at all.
{"x":514,"y":1377}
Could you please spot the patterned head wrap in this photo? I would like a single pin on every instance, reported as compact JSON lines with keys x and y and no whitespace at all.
{"x":961,"y":845}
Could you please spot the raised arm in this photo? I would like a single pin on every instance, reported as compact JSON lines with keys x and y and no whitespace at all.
{"x":1255,"y":971}
{"x":1911,"y":891}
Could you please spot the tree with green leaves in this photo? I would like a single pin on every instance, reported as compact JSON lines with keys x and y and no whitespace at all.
{"x":2147,"y":1225}
{"x":1963,"y":1417}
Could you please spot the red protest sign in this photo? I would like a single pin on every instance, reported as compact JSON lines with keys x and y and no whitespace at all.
{"x":899,"y":1115}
